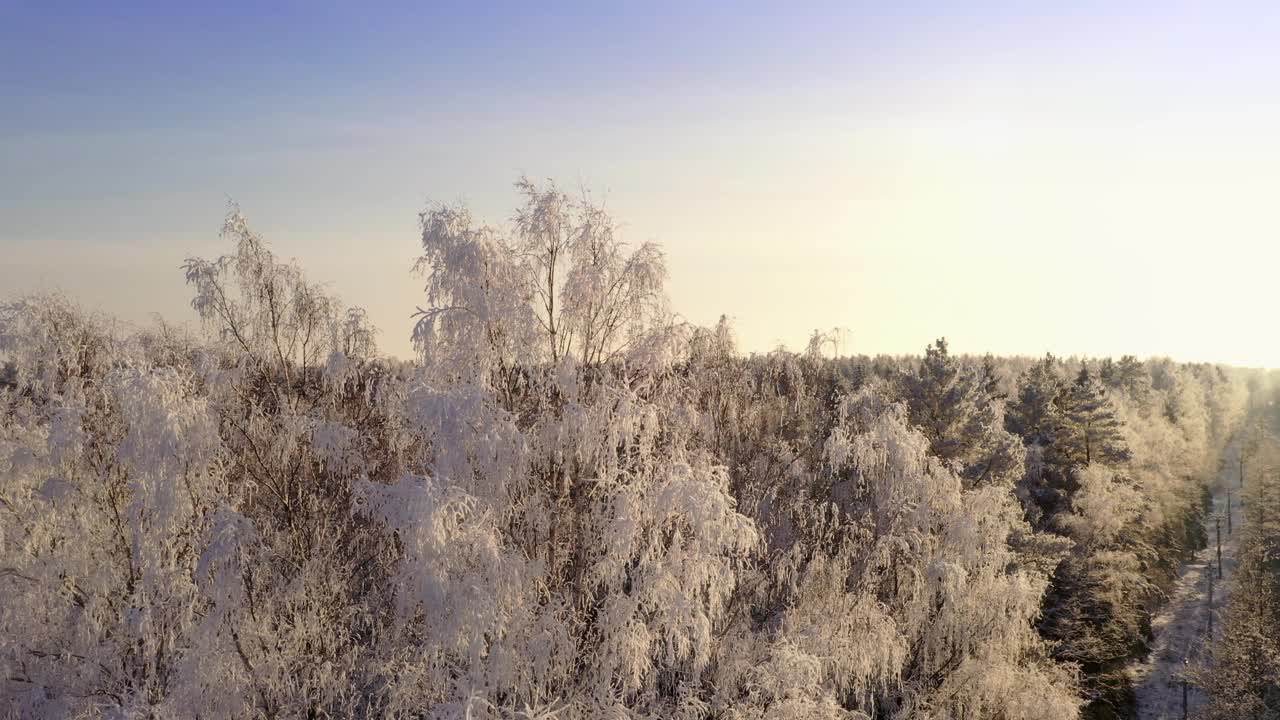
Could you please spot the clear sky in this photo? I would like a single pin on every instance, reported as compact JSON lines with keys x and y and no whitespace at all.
{"x":1083,"y":177}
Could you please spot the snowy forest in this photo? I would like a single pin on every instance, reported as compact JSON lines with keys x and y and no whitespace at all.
{"x":574,"y":504}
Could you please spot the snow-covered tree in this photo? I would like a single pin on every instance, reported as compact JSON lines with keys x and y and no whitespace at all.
{"x":586,"y":546}
{"x":1034,"y":414}
{"x":891,"y":593}
{"x":953,"y":406}
{"x":1090,"y":431}
{"x":572,"y":506}
{"x":1130,"y":376}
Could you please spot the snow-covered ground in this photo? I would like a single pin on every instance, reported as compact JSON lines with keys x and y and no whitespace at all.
{"x":1181,"y":627}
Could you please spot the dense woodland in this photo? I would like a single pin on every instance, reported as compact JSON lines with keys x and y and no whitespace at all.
{"x":575,"y":505}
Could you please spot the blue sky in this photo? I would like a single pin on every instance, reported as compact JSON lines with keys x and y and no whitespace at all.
{"x":1094,"y":178}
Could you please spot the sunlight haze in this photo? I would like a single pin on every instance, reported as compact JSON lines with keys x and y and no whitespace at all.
{"x":1021,"y":179}
{"x":561,"y":361}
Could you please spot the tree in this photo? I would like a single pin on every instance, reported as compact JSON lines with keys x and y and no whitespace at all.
{"x":1130,"y":376}
{"x":268,"y":311}
{"x":890,"y":590}
{"x":590,"y":296}
{"x":952,"y":406}
{"x":1091,"y":430}
{"x":1034,"y":415}
{"x":990,"y":375}
{"x":586,"y":538}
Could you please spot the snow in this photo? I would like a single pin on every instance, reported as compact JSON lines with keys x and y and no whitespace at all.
{"x":1181,"y":627}
{"x":568,"y":509}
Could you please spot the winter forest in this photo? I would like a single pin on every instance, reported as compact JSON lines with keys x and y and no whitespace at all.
{"x":573,"y":504}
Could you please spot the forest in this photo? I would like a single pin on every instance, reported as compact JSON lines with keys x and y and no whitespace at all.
{"x":575,"y":504}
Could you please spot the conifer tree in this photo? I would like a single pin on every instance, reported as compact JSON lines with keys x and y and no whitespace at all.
{"x":1130,"y":376}
{"x":1092,"y":432}
{"x":1034,"y":415}
{"x":952,"y":406}
{"x":990,"y":378}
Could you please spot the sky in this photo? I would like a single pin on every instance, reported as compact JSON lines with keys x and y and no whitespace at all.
{"x":1092,"y":178}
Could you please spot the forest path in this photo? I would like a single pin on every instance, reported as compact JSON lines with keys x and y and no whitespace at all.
{"x":1181,"y":627}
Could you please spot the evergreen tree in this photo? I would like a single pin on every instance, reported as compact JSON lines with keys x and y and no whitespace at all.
{"x":1034,"y":414}
{"x":1107,"y":372}
{"x":1092,"y":432}
{"x":990,"y":378}
{"x":1130,"y":376}
{"x":951,"y":405}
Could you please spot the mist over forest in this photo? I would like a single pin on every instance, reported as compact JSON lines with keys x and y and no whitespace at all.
{"x":574,"y":504}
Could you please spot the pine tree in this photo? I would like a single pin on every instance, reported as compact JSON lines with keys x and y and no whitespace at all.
{"x":1107,"y":372}
{"x":1034,"y":415}
{"x":942,"y":399}
{"x":990,"y":378}
{"x":1130,"y":376}
{"x":952,"y":406}
{"x":1092,"y":432}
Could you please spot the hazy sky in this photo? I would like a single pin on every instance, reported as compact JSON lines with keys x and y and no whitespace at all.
{"x":1083,"y":177}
